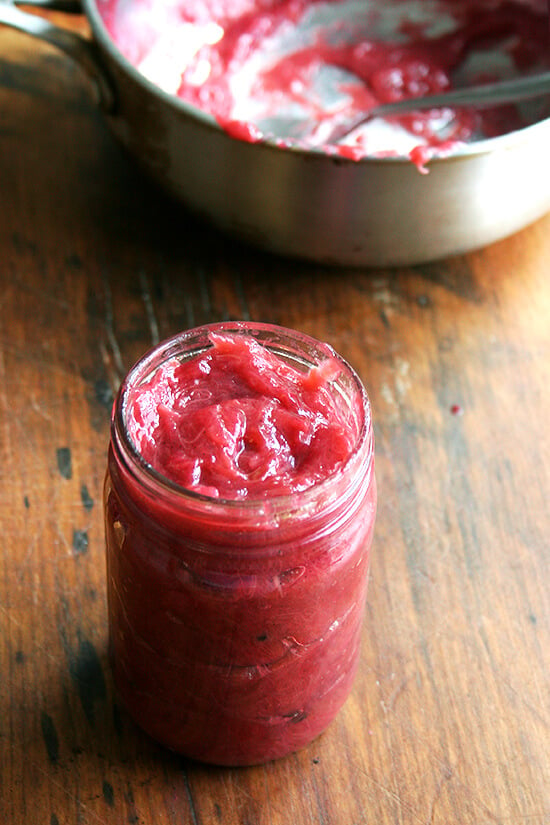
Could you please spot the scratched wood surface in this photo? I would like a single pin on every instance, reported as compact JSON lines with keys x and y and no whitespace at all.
{"x":449,"y":718}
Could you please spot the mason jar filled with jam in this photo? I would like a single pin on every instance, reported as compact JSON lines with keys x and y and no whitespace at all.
{"x":240,"y":503}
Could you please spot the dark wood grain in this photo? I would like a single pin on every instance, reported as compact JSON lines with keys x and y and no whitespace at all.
{"x":449,"y":718}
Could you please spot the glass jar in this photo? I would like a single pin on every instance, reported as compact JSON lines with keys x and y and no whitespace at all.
{"x":235,"y":624}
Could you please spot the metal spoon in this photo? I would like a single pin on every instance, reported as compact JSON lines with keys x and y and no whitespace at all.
{"x":490,"y":94}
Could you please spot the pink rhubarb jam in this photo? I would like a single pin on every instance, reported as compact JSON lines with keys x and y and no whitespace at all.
{"x":240,"y":502}
{"x":294,"y":69}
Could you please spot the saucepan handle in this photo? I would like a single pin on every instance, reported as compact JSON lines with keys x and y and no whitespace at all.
{"x":81,"y":50}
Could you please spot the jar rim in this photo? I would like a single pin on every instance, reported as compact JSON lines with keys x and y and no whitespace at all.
{"x":136,"y":464}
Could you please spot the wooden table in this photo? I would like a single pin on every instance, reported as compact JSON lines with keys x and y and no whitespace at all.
{"x":449,"y":718}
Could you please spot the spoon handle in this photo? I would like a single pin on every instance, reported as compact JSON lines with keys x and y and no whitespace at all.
{"x":489,"y":94}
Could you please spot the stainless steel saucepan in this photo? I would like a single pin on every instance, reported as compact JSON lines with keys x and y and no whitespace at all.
{"x":307,"y":204}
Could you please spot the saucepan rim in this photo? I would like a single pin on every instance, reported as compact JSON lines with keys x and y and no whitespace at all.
{"x":476,"y":148}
